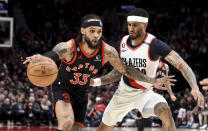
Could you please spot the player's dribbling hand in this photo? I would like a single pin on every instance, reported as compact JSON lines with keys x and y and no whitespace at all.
{"x":28,"y":59}
{"x":199,"y":97}
{"x":204,"y":83}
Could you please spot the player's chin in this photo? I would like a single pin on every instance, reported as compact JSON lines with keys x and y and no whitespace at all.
{"x":132,"y":36}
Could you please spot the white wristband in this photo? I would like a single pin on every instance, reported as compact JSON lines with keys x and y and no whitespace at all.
{"x":97,"y":82}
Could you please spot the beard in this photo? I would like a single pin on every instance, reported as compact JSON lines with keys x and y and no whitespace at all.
{"x":89,"y":43}
{"x":137,"y":35}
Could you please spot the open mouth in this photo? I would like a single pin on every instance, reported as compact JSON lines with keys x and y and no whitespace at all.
{"x":95,"y":41}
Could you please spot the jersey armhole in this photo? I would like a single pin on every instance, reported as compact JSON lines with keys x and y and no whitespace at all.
{"x":149,"y":51}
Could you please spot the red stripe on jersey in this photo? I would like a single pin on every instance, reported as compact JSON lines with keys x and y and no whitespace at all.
{"x":89,"y":56}
{"x":103,"y":53}
{"x":53,"y":105}
{"x":135,"y":84}
{"x":75,"y":54}
{"x":79,"y":123}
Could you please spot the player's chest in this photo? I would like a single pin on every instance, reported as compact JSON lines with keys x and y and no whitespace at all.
{"x":82,"y":66}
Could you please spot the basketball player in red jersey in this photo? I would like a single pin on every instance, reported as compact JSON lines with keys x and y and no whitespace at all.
{"x":142,"y":51}
{"x":80,"y":60}
{"x":162,"y":71}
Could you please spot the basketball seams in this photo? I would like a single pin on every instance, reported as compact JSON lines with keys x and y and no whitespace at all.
{"x":42,"y":75}
{"x":39,"y":65}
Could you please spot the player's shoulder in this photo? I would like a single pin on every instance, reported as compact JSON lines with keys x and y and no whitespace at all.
{"x":68,"y":44}
{"x":149,"y":37}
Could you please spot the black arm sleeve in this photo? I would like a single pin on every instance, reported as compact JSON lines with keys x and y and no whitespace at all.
{"x":53,"y":55}
{"x":159,"y":48}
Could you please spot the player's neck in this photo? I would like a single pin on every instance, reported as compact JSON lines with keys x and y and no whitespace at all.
{"x":138,"y":40}
{"x":87,"y":49}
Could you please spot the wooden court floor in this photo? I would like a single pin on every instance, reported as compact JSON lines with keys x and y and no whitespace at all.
{"x":37,"y":128}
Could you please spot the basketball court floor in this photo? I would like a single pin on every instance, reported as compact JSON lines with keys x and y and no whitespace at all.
{"x":25,"y":128}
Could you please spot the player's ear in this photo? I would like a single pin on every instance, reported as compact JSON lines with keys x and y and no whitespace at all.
{"x":82,"y":31}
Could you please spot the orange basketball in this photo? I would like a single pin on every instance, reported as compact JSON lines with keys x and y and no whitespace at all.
{"x":42,"y":71}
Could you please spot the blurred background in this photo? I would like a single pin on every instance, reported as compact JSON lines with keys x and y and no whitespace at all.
{"x":29,"y":27}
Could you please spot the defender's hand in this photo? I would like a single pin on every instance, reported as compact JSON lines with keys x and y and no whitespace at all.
{"x":165,"y":80}
{"x":28,"y":59}
{"x":159,"y":86}
{"x":199,"y":97}
{"x":204,"y":83}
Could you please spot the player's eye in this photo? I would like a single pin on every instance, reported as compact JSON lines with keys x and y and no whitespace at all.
{"x":99,"y":32}
{"x":135,"y":25}
{"x":92,"y":31}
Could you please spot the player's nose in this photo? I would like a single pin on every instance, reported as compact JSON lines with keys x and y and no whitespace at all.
{"x":96,"y":35}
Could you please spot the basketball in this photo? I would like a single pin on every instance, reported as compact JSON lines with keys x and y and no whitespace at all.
{"x":42,"y":71}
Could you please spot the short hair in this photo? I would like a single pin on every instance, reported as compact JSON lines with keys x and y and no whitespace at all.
{"x":89,"y":16}
{"x":138,"y":12}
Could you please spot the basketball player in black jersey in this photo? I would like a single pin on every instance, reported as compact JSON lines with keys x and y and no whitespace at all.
{"x":162,"y":71}
{"x":80,"y":60}
{"x":131,"y":91}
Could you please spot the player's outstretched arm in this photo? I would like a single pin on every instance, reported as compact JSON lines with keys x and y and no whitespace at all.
{"x":111,"y":77}
{"x":62,"y":50}
{"x":174,"y":59}
{"x":111,"y":55}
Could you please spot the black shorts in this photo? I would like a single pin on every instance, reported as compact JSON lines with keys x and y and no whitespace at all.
{"x":77,"y":99}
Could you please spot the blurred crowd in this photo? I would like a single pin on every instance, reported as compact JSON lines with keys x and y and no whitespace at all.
{"x":184,"y":27}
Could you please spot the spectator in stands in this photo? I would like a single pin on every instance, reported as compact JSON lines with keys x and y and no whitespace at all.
{"x":30,"y":118}
{"x":19,"y":111}
{"x":99,"y":106}
{"x":191,"y":110}
{"x":181,"y":116}
{"x":93,"y":118}
{"x":36,"y":109}
{"x":7,"y":113}
{"x":46,"y":113}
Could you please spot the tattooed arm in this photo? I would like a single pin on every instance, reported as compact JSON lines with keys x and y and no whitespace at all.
{"x":174,"y":59}
{"x":63,"y":50}
{"x":111,"y":77}
{"x":111,"y":56}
